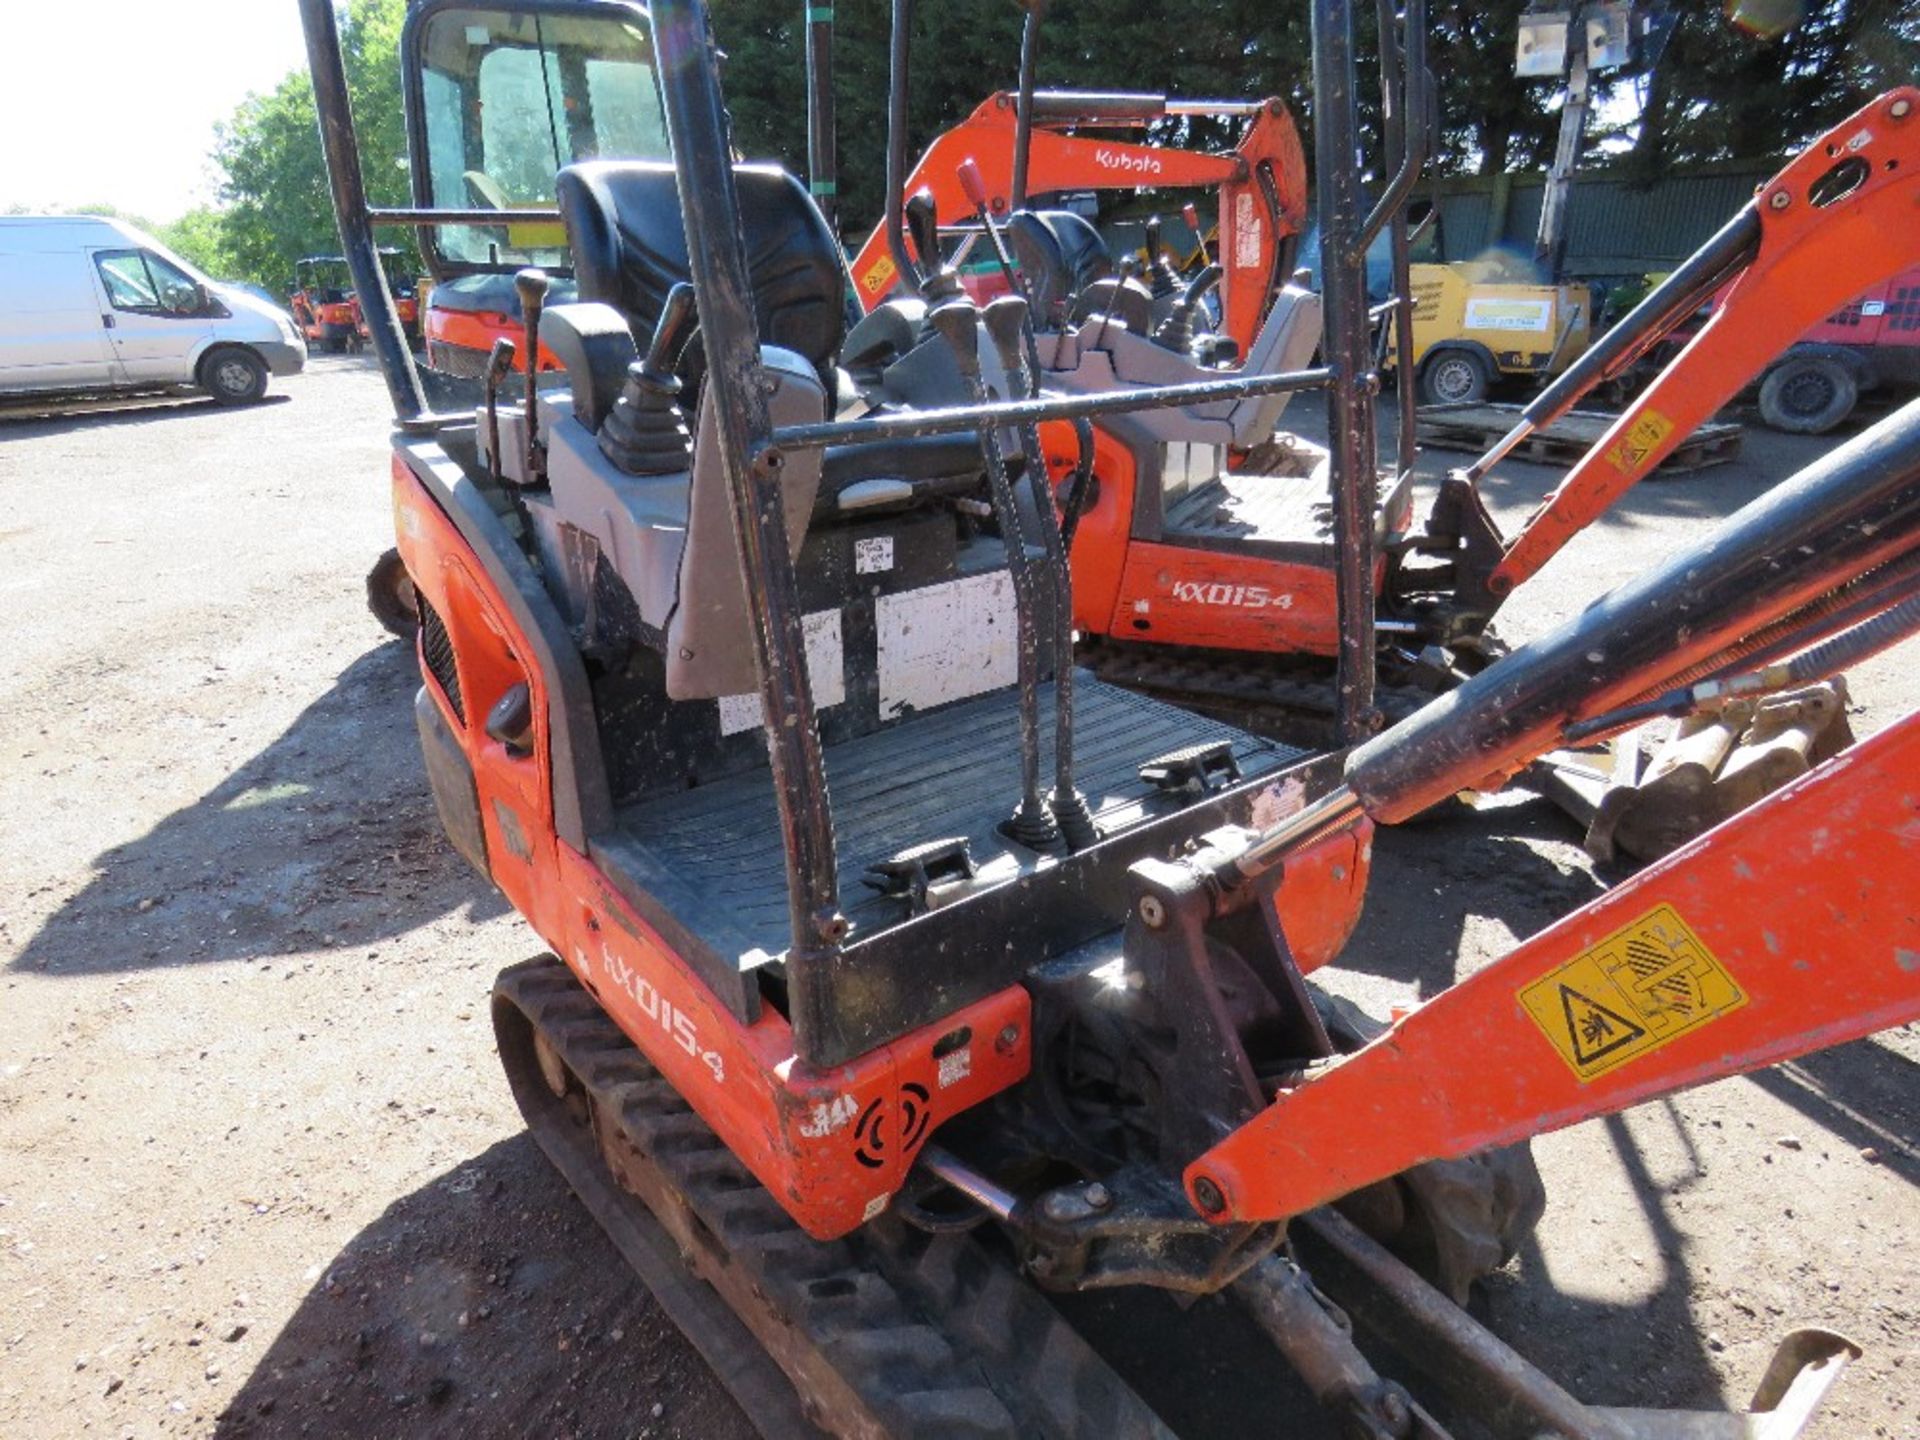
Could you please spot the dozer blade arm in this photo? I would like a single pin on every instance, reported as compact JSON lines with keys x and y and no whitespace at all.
{"x":1789,"y":928}
{"x":1842,"y":217}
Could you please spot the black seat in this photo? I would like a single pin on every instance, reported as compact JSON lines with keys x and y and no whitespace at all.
{"x":1060,"y":254}
{"x":630,"y":248}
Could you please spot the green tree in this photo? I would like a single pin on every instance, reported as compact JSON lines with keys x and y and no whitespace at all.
{"x":201,"y":236}
{"x":962,"y":53}
{"x":1726,"y":90}
{"x":278,"y":206}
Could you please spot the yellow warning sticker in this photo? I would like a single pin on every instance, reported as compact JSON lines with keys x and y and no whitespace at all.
{"x":879,"y":275}
{"x":1639,"y":988}
{"x":1643,"y":437}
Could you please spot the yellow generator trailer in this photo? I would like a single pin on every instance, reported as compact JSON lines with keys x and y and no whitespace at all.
{"x":1473,"y":321}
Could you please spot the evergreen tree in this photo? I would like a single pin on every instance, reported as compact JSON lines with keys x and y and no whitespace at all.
{"x":1762,"y":79}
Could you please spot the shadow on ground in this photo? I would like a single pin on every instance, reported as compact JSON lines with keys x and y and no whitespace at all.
{"x":27,"y":421}
{"x":1435,"y":875}
{"x":326,"y":836}
{"x":486,"y":1303}
{"x":1865,"y":1095}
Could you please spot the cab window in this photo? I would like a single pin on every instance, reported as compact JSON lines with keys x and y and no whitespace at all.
{"x":507,"y":99}
{"x":148,"y":285}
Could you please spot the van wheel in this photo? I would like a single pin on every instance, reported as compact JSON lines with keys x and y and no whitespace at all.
{"x":391,"y":598}
{"x":234,"y":377}
{"x":1454,"y":377}
{"x":1808,"y":394}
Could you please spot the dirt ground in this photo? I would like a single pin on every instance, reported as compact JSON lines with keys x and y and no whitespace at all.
{"x":259,"y":1175}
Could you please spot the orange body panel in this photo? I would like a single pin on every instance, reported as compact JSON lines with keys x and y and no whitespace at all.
{"x":1247,"y":243}
{"x":1174,"y":595}
{"x":1812,"y":259}
{"x":1791,"y":928}
{"x":314,"y":319}
{"x":1167,"y":594}
{"x":477,"y":330}
{"x":832,"y":1144}
{"x":406,"y":309}
{"x":1320,"y":897}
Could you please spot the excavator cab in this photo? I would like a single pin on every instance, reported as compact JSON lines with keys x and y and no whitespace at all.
{"x":897,"y":974}
{"x":500,"y":99}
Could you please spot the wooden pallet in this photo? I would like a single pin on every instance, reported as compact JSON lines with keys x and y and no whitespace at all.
{"x":1475,"y":427}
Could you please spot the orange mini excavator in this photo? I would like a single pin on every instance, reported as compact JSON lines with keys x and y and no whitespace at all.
{"x":1260,"y":184}
{"x":1206,"y":559}
{"x":868,"y":1036}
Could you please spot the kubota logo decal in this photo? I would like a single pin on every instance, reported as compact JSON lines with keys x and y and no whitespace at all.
{"x":1237,"y":597}
{"x":1123,"y":160}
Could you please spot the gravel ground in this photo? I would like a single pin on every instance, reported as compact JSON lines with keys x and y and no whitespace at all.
{"x":260,"y":1175}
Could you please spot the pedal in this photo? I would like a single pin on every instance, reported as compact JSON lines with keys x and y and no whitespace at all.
{"x":924,"y":875}
{"x":1197,"y":769}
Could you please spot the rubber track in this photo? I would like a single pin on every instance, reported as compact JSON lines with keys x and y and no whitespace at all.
{"x":889,"y":1332}
{"x":1281,"y":706}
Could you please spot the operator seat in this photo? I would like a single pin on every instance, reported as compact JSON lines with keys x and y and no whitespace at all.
{"x":630,"y":248}
{"x":1060,"y":253}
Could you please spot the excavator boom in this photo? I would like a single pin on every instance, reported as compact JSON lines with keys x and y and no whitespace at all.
{"x":1842,"y":217}
{"x":1262,"y":182}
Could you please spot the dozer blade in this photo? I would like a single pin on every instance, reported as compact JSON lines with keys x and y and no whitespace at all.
{"x":1488,"y":1378}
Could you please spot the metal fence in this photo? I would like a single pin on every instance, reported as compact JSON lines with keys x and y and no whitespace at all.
{"x":1615,"y":228}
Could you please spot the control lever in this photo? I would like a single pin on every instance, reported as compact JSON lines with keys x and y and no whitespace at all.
{"x":1176,"y":331}
{"x":531,"y":286}
{"x":1127,"y":269}
{"x":975,"y":186}
{"x":942,"y":281}
{"x":1006,"y":321}
{"x":646,"y":432}
{"x":1165,"y":279}
{"x":957,"y":322}
{"x":1192,"y":216}
{"x":499,"y":364}
{"x":671,"y":332}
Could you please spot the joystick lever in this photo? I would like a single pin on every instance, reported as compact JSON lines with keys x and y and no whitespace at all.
{"x":957,"y":322}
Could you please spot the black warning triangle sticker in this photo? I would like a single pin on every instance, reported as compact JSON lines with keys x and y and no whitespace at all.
{"x":1594,"y":1030}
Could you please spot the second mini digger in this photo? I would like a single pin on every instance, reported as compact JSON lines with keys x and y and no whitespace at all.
{"x":860,"y":1078}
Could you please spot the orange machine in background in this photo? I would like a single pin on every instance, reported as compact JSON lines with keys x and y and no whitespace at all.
{"x":1261,"y":183}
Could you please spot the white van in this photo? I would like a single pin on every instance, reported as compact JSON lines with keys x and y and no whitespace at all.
{"x":90,"y":305}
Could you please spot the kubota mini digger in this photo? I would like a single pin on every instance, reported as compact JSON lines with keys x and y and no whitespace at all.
{"x":1204,"y":567}
{"x":886,"y":1069}
{"x":1019,"y":144}
{"x":322,"y":301}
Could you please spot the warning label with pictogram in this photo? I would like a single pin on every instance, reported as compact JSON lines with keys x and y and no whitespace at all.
{"x":1642,"y":986}
{"x":1643,"y":437}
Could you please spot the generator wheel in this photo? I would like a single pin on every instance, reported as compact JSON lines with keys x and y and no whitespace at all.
{"x":391,"y":596}
{"x":1808,"y":394}
{"x":1454,"y":377}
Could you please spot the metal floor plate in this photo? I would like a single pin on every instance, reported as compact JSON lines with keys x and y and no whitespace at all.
{"x":1263,"y":509}
{"x":955,"y":772}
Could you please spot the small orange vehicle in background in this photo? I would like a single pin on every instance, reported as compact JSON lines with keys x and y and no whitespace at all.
{"x":322,"y":302}
{"x":465,"y":314}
